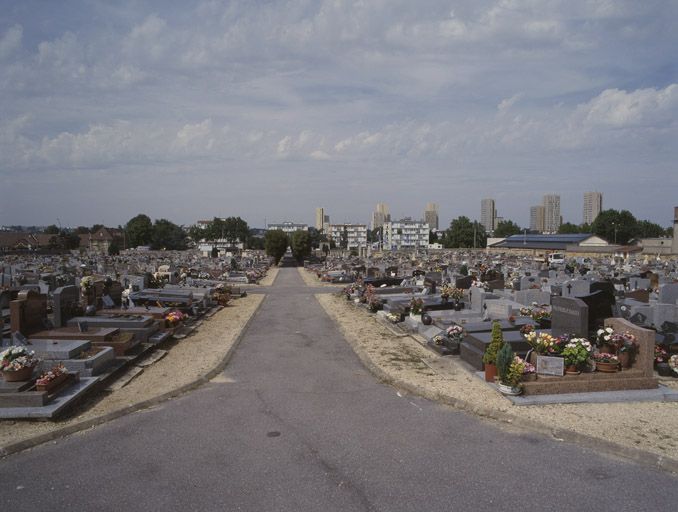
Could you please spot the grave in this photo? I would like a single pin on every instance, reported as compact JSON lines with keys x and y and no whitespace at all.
{"x":569,"y":315}
{"x":475,"y":343}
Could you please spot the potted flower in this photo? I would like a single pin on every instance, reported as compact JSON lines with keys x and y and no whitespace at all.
{"x":529,"y":372}
{"x":576,"y":352}
{"x":627,"y":348}
{"x":673,"y":364}
{"x":17,"y":364}
{"x":51,"y":379}
{"x":490,"y":355}
{"x":174,"y":318}
{"x":438,"y":340}
{"x":416,"y":306}
{"x":455,"y":332}
{"x":542,"y":317}
{"x":392,"y":317}
{"x":606,"y":362}
{"x":604,"y":340}
{"x":510,"y":371}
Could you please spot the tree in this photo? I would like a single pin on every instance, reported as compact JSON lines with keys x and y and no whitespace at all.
{"x":168,"y":236}
{"x":343,"y":241}
{"x":567,"y":228}
{"x":256,"y":243}
{"x":113,"y":248}
{"x":465,"y":234}
{"x":81,"y":230}
{"x":506,"y":228}
{"x":315,"y":237}
{"x":96,"y":227}
{"x":139,"y":230}
{"x":647,"y":229}
{"x":301,"y":245}
{"x":52,"y":229}
{"x":432,"y":237}
{"x":236,"y":230}
{"x":615,"y":226}
{"x":275,"y":243}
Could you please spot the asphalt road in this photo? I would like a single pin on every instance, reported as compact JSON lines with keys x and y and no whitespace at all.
{"x":296,"y":423}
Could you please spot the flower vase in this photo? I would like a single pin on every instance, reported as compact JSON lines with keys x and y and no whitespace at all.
{"x":22,"y":374}
{"x":625,"y":359}
{"x":607,"y":367}
{"x":572,"y":370}
{"x":490,"y":372}
{"x":509,"y":390}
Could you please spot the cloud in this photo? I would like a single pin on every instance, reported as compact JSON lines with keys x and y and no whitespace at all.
{"x":10,"y":41}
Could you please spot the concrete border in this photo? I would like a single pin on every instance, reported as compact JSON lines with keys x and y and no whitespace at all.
{"x":151,"y":402}
{"x":609,"y":448}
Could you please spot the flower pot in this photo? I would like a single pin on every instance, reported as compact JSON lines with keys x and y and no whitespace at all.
{"x":52,"y":384}
{"x":607,"y":367}
{"x":625,"y":359}
{"x":572,"y":370}
{"x":664,"y":370}
{"x":608,"y":349}
{"x":509,"y":390}
{"x":24,"y":373}
{"x":491,"y":372}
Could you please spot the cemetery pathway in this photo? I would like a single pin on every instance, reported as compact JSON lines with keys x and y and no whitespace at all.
{"x":297,"y":423}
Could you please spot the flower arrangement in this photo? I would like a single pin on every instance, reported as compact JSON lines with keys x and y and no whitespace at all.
{"x":392,"y":317}
{"x":509,"y":367}
{"x":87,"y":282}
{"x":438,"y":339}
{"x":605,"y":357}
{"x":604,"y":336}
{"x":540,"y":314}
{"x":525,"y":311}
{"x":673,"y":363}
{"x":528,"y":369}
{"x":451,"y":292}
{"x":526,"y":329}
{"x":175,"y":316}
{"x":625,"y":342}
{"x":373,"y":303}
{"x":577,"y":351}
{"x":49,"y":376}
{"x":455,"y":332}
{"x":416,"y":306}
{"x":16,"y":358}
{"x":542,"y":343}
{"x":660,"y":354}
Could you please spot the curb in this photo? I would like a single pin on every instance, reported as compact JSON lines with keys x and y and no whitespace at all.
{"x":603,"y":446}
{"x":151,"y":402}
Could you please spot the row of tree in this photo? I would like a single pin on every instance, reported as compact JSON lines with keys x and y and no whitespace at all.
{"x":276,"y":243}
{"x":615,"y":226}
{"x":161,"y":234}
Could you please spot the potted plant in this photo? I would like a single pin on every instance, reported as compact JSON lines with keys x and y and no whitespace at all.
{"x":627,"y":348}
{"x":510,"y":371}
{"x":529,"y":372}
{"x":490,"y":355}
{"x":576,"y":352}
{"x":52,"y":379}
{"x":673,"y":364}
{"x":606,"y":362}
{"x":17,"y":364}
{"x":542,"y":317}
{"x":605,"y":341}
{"x":416,"y":306}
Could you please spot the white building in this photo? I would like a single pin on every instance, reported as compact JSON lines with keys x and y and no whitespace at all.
{"x":356,"y":235}
{"x":431,"y":215}
{"x":593,"y":205}
{"x":380,"y":215}
{"x":552,"y":217}
{"x":287,"y":227}
{"x":488,"y":214}
{"x":406,"y":234}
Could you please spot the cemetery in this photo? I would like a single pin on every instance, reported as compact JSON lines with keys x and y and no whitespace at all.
{"x":74,"y":328}
{"x":548,"y":314}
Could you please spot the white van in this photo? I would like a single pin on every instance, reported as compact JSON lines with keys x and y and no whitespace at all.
{"x":557,"y":258}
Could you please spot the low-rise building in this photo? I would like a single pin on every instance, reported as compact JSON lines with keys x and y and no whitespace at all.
{"x":406,"y":234}
{"x":355,"y":235}
{"x":288,"y":227}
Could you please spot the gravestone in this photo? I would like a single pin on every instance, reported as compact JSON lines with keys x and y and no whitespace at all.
{"x":639,"y":295}
{"x":639,"y":283}
{"x":600,"y":308}
{"x":66,"y":304}
{"x":576,"y":288}
{"x":569,"y":315}
{"x":28,"y":312}
{"x":464,"y":282}
{"x":668,"y":293}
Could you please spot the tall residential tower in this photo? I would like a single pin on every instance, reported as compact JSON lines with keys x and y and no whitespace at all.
{"x":593,"y":205}
{"x":487,"y":214}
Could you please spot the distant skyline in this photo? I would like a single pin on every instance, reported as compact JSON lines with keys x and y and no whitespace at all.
{"x":267,"y":110}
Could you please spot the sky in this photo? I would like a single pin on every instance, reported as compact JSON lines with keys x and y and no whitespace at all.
{"x":268,"y":109}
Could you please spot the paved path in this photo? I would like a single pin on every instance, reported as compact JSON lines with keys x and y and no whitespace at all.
{"x":297,"y":424}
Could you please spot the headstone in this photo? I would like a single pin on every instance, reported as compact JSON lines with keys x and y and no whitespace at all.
{"x":668,"y":293}
{"x":600,"y":308}
{"x":66,"y":304}
{"x":569,"y":315}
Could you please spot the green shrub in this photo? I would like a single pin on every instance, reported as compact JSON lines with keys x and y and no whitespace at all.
{"x":504,"y":362}
{"x":490,"y":355}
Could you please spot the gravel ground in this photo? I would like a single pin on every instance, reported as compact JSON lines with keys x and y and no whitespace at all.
{"x":649,"y":426}
{"x":311,"y":280}
{"x":186,"y":361}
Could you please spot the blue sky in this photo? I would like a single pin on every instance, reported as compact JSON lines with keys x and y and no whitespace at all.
{"x":268,"y":109}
